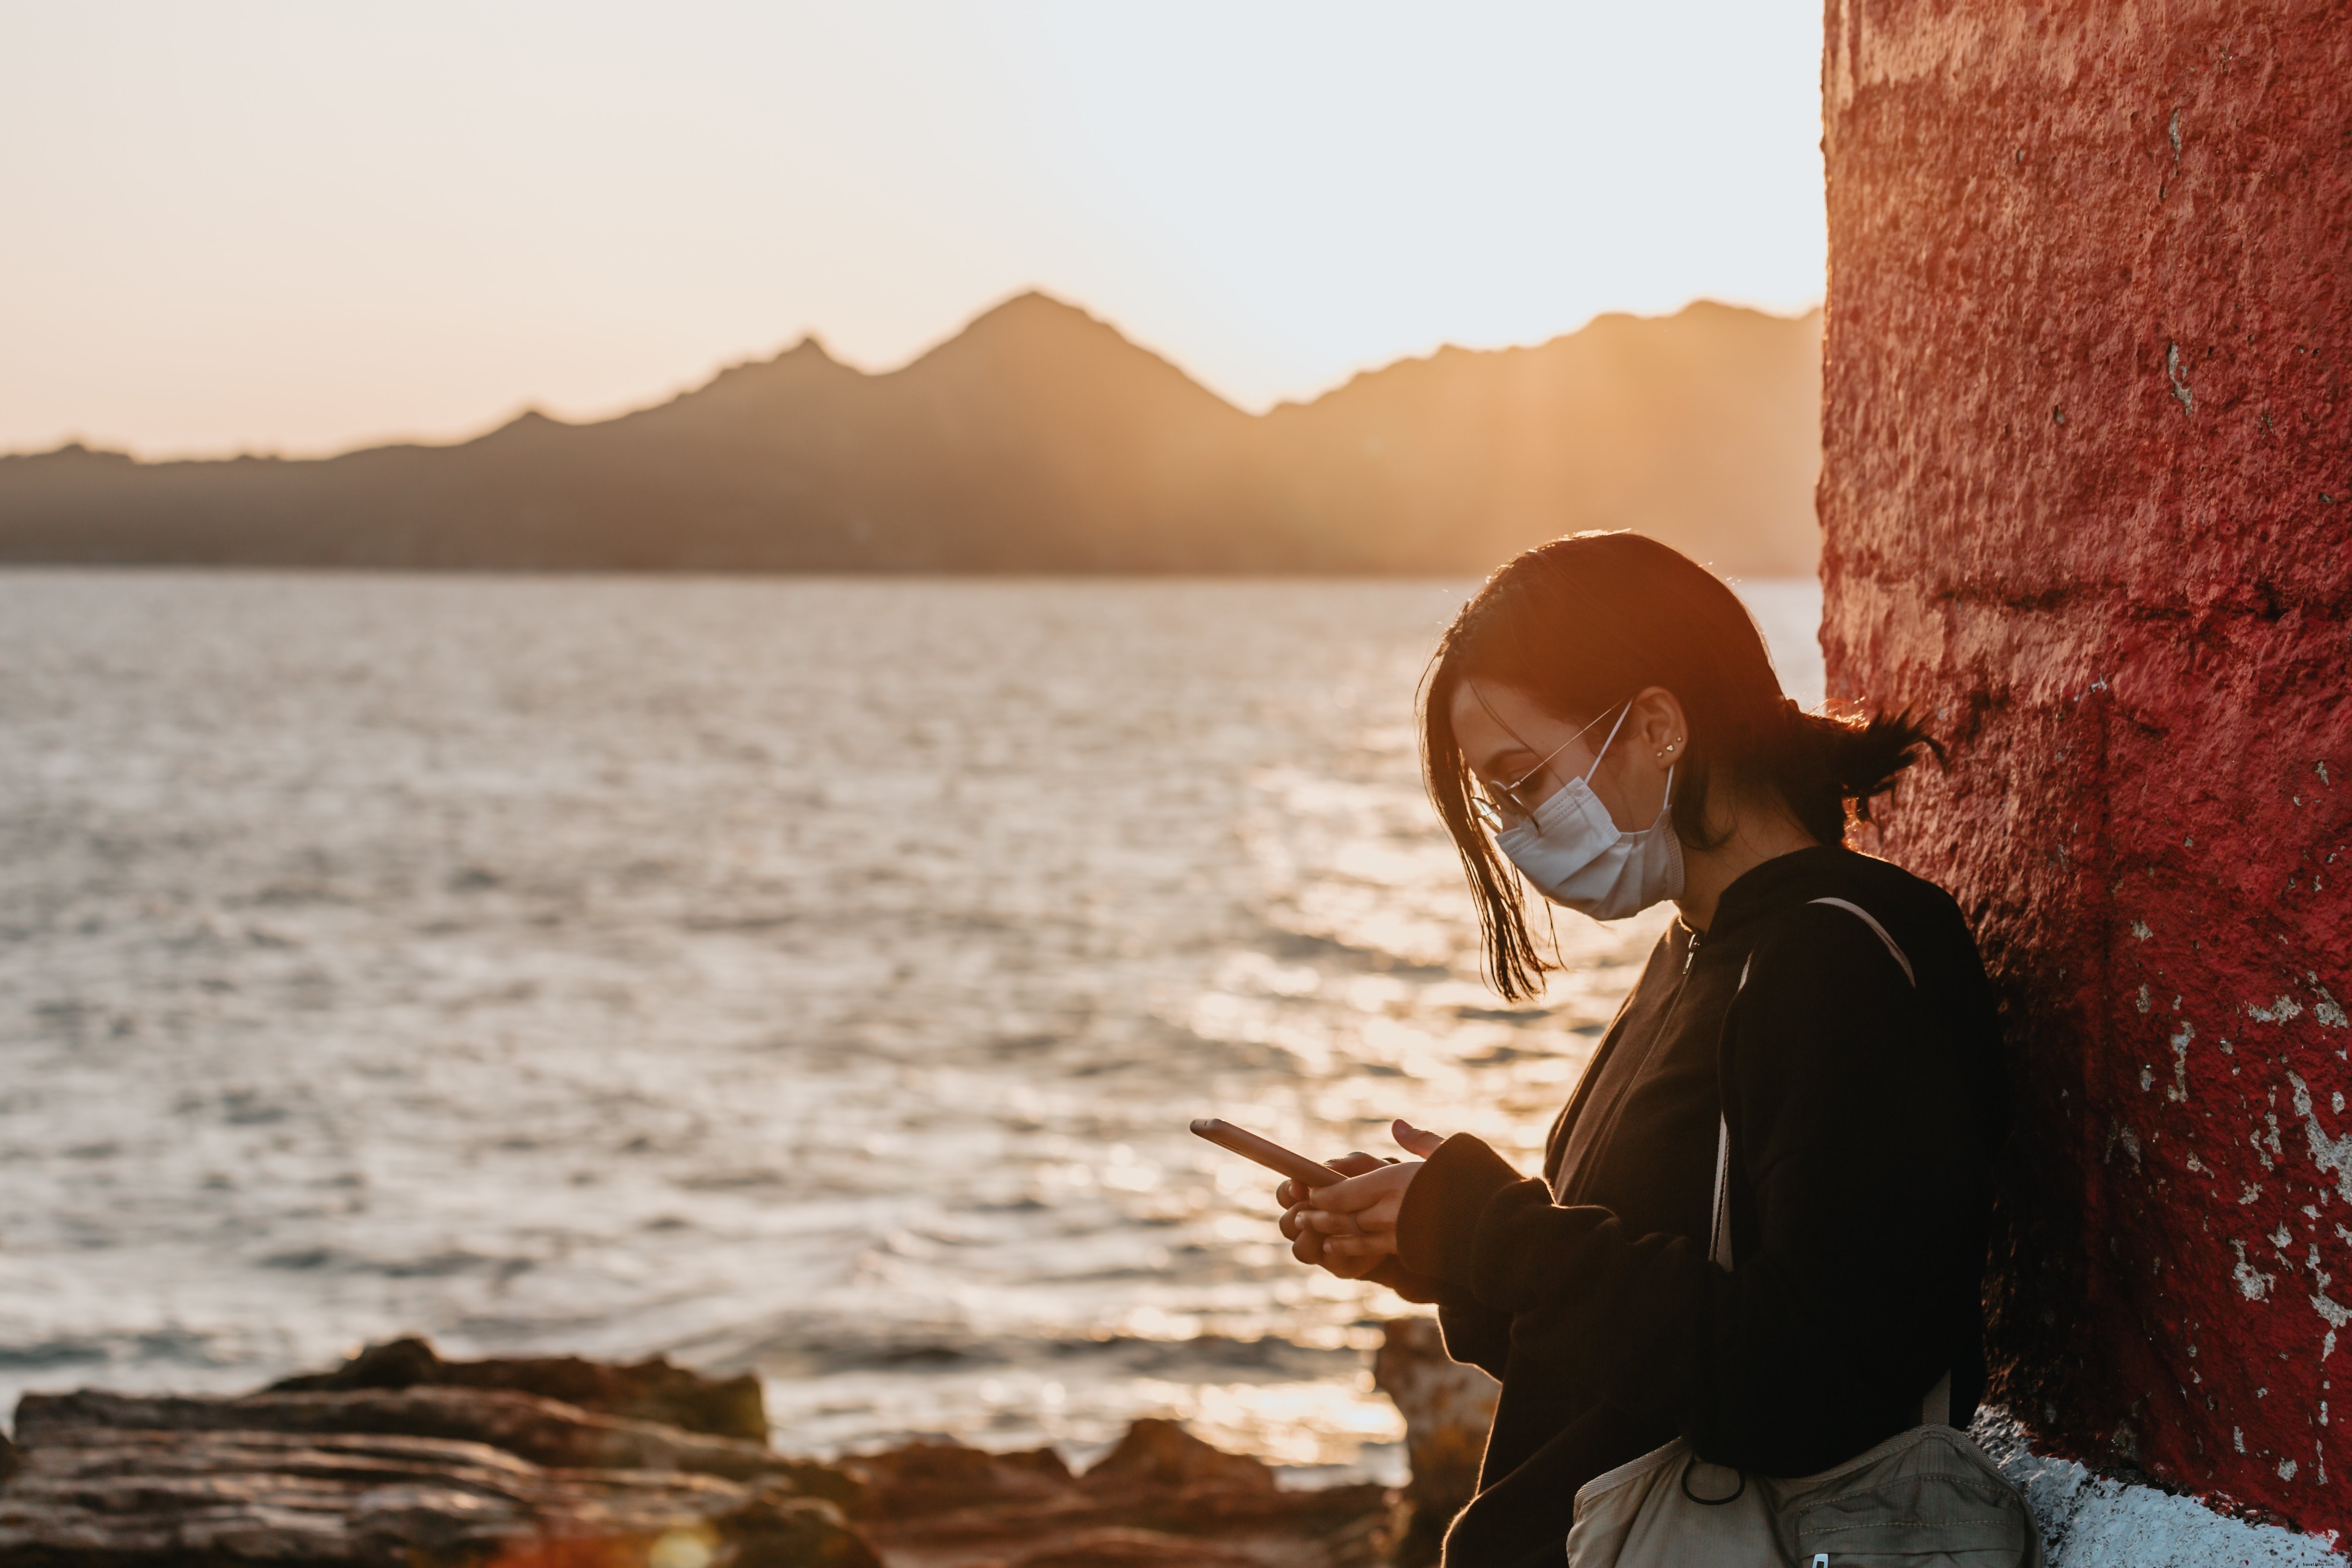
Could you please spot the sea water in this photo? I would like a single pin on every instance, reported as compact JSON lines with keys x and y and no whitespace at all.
{"x":808,"y":977}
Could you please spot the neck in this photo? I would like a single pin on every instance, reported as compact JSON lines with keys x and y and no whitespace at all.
{"x":1756,"y":836}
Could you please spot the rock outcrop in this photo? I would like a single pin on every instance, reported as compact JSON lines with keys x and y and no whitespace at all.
{"x":1448,"y":1408}
{"x":401,"y":1459}
{"x":401,"y":1478}
{"x":1161,"y":1496}
{"x":645,"y":1391}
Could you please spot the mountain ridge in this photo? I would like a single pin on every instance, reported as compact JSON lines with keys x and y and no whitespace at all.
{"x":1037,"y":438}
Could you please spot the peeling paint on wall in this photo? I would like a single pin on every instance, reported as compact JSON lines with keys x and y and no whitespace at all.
{"x":2328,"y":1154}
{"x":2253,"y":1283}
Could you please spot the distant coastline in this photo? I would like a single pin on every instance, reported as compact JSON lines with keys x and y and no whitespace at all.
{"x":1036,"y":441}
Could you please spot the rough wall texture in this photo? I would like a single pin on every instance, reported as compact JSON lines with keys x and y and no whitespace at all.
{"x":2087,"y":497}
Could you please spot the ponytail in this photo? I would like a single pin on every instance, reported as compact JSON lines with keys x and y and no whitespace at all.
{"x":1829,"y":769}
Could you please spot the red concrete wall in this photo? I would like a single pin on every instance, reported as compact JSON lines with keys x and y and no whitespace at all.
{"x":2087,"y":500}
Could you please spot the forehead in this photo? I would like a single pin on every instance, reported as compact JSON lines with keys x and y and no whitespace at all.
{"x":1489,"y":719}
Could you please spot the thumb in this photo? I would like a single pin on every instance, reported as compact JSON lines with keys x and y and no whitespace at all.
{"x":1412,"y":1139}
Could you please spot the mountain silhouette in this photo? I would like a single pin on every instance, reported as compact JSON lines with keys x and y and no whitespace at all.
{"x":1038,"y":439}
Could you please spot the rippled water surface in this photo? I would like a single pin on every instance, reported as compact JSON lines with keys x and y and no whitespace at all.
{"x":810,"y":976}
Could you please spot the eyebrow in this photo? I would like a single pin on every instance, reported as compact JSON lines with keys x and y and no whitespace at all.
{"x":1500,"y":722}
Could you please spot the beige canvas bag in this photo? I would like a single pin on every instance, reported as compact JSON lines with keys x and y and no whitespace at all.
{"x":1925,"y":1498}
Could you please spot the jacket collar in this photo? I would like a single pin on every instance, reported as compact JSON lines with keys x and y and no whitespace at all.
{"x":1782,"y":882}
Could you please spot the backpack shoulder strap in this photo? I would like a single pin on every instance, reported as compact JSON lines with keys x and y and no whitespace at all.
{"x":1893,"y":948}
{"x":1718,"y":1248}
{"x":1935,"y":1408}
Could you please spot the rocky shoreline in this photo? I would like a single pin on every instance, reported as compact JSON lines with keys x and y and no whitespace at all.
{"x":401,"y":1460}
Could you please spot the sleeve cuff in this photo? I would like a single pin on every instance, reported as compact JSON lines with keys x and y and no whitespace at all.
{"x":1418,"y":1288}
{"x":1438,"y":1226}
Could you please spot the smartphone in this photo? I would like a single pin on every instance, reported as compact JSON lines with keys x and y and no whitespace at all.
{"x":1267,"y":1153}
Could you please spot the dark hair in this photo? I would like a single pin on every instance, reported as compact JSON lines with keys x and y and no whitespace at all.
{"x":1584,"y":622}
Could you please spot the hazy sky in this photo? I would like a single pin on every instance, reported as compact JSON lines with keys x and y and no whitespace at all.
{"x":303,"y":227}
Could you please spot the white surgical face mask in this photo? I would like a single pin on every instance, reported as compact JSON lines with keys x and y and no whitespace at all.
{"x":1571,"y":852}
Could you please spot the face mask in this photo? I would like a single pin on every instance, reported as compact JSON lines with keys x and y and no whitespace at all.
{"x":1573,"y":854}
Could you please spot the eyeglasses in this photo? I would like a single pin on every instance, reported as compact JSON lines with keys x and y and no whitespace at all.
{"x":1516,"y":801}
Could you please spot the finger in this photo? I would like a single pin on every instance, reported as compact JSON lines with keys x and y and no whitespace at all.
{"x":1356,"y":1257}
{"x":1412,"y":1139}
{"x":1288,"y":1194}
{"x":1355,"y":1193}
{"x":1293,"y":1221}
{"x":1372,"y":1221}
{"x":1355,"y":1162}
{"x":1346,"y":1266}
{"x":1332,"y":1223}
{"x":1308,"y":1247}
{"x":1340,"y":1197}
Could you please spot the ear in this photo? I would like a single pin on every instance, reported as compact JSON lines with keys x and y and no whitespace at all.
{"x":1657,"y":736}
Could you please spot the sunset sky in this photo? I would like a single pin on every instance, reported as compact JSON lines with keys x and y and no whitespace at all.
{"x":300,"y":227}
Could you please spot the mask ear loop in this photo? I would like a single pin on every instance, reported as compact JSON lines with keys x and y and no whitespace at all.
{"x":1664,"y":805}
{"x":1603,"y":752}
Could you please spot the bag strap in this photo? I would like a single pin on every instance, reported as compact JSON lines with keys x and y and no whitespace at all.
{"x":1936,"y":1409}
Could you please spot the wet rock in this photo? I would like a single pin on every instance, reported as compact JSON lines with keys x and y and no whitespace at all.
{"x":1161,"y":1453}
{"x":116,"y":1499}
{"x":542,"y":1431}
{"x":922,"y":1479}
{"x":397,"y":1469}
{"x":647,"y":1391}
{"x":1160,"y":1496}
{"x":1447,"y":1409}
{"x":395,"y":1466}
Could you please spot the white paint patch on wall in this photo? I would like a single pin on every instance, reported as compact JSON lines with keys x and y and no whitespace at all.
{"x":2253,"y":1283}
{"x":2332,"y":1155}
{"x":2090,"y":1521}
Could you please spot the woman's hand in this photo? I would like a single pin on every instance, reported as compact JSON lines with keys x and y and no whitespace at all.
{"x":1305,"y":1241}
{"x":1350,"y":1227}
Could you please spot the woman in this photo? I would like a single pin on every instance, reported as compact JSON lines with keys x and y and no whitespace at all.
{"x":1603,"y":718}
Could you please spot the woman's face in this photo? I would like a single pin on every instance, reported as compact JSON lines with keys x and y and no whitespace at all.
{"x":1514,"y":745}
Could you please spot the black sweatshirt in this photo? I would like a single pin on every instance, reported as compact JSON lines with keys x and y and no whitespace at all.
{"x":1863,"y":1110}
